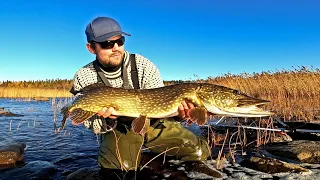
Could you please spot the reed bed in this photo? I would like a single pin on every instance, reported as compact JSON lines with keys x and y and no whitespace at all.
{"x":293,"y":94}
{"x":13,"y":92}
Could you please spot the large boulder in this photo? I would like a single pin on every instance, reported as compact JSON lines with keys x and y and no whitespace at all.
{"x":12,"y":155}
{"x":271,"y":165}
{"x":302,"y":150}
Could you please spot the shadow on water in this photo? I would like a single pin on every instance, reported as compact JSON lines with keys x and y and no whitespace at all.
{"x":47,"y":153}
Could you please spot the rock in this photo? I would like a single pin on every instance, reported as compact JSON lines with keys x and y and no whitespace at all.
{"x":84,"y":174}
{"x":280,"y":137}
{"x":174,"y":169}
{"x":7,"y":113}
{"x":302,"y":150}
{"x":32,"y":170}
{"x":12,"y":155}
{"x":271,"y":165}
{"x":200,"y":167}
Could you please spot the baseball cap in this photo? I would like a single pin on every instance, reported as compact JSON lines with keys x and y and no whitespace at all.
{"x":101,"y":29}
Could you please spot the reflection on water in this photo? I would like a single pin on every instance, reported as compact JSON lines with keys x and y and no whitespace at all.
{"x":47,"y":152}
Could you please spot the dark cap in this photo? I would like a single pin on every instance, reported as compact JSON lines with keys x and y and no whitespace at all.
{"x":103,"y":28}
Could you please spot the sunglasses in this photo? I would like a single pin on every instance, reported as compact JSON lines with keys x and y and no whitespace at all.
{"x":110,"y":44}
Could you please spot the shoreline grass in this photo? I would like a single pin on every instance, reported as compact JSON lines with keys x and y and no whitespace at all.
{"x":38,"y":93}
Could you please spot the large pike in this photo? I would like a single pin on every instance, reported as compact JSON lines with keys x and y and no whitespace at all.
{"x":163,"y":102}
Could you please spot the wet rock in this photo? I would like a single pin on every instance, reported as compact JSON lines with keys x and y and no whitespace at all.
{"x":12,"y":155}
{"x":7,"y":113}
{"x":200,"y":167}
{"x":302,"y":150}
{"x":176,"y":169}
{"x":280,"y":137}
{"x":271,"y":165}
{"x":32,"y":170}
{"x":84,"y":174}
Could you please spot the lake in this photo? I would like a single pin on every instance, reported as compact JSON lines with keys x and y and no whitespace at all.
{"x":55,"y":154}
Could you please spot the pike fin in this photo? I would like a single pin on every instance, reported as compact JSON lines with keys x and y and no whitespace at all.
{"x":198,"y":115}
{"x":78,"y":116}
{"x":65,"y":113}
{"x":140,"y":125}
{"x":92,"y":86}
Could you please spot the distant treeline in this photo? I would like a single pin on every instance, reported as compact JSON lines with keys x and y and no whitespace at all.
{"x":62,"y":84}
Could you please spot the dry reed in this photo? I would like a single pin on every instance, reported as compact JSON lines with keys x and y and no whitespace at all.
{"x":13,"y":92}
{"x":293,"y":95}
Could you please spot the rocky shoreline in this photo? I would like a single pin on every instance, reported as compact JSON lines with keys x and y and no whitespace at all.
{"x":175,"y":169}
{"x":293,"y":155}
{"x":297,"y":159}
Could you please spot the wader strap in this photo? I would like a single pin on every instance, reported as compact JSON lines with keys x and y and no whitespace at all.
{"x":101,"y":76}
{"x":134,"y":72}
{"x":125,"y":79}
{"x":72,"y":91}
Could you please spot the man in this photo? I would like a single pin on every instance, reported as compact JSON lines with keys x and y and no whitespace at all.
{"x":120,"y":147}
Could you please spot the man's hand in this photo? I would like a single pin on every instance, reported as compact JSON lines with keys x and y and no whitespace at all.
{"x":185,"y":107}
{"x":107,"y":113}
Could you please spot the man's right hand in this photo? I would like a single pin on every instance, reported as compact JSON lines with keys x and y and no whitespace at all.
{"x":107,"y":113}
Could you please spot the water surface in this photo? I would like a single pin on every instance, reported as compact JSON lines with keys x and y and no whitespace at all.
{"x":54,"y":154}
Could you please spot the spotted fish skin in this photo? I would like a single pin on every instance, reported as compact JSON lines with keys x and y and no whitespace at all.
{"x":163,"y":102}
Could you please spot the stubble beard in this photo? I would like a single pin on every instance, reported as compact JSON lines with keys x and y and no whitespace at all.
{"x":114,"y":61}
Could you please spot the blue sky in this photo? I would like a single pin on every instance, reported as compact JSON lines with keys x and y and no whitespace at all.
{"x":207,"y":38}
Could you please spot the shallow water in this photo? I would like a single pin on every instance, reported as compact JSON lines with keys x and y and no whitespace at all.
{"x":65,"y":152}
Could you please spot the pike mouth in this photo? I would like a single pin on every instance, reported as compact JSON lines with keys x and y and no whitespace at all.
{"x":252,"y":110}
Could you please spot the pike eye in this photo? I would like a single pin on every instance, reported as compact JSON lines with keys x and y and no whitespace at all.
{"x":236,"y":92}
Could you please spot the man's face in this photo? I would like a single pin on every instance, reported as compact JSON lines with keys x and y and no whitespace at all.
{"x":111,"y":56}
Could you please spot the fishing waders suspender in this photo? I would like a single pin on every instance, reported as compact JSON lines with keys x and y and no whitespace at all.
{"x":134,"y":74}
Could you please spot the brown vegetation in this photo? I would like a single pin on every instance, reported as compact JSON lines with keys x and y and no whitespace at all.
{"x":35,"y":89}
{"x":292,"y":93}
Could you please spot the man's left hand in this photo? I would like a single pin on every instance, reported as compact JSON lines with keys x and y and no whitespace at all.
{"x":185,"y":107}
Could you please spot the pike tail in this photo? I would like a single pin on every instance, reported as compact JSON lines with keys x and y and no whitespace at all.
{"x":198,"y":115}
{"x":65,"y":113}
{"x":78,"y":115}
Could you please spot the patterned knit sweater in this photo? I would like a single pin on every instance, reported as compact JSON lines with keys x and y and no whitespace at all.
{"x":148,"y":76}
